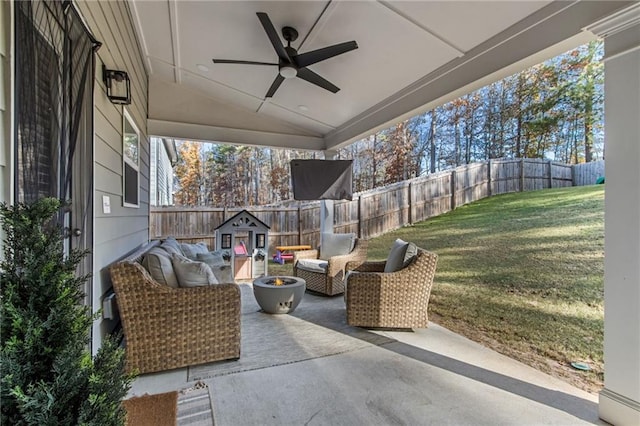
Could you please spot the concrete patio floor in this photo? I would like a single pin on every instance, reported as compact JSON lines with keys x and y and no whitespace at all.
{"x":429,"y":376}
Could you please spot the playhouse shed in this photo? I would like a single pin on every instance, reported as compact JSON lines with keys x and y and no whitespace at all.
{"x":246,"y":239}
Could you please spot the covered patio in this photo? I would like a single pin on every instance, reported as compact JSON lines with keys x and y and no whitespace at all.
{"x":411,"y":56}
{"x":310,"y":367}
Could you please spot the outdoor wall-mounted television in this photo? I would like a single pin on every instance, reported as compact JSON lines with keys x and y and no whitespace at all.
{"x":322,"y":179}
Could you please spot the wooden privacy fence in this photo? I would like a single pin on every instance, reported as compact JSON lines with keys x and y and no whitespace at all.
{"x":375,"y":212}
{"x":587,"y":173}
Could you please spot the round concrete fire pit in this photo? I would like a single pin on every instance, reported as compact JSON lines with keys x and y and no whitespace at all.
{"x":279,"y":295}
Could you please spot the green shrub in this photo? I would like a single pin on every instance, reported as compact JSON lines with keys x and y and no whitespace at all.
{"x":48,"y":376}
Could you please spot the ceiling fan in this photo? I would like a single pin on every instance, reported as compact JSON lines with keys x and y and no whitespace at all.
{"x":290,"y":63}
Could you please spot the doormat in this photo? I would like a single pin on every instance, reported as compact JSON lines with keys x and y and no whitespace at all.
{"x":194,"y":406}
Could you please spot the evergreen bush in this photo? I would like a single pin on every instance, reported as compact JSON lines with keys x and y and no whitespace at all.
{"x":48,"y":376}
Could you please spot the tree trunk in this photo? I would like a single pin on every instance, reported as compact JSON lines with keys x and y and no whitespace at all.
{"x":432,"y":142}
{"x":519,"y":117}
{"x":374,"y":160}
{"x":588,"y":133}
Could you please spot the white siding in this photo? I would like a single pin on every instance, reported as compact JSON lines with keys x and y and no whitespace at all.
{"x":153,"y":170}
{"x":165,"y":179}
{"x":162,"y":174}
{"x":123,"y":229}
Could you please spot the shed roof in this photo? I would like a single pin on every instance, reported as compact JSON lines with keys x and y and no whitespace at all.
{"x":243,"y":219}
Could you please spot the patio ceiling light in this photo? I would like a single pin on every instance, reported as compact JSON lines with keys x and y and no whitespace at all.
{"x":118,"y":86}
{"x":288,"y":71}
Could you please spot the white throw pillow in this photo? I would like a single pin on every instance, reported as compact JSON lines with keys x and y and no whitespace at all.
{"x":191,"y":273}
{"x":336,"y":245}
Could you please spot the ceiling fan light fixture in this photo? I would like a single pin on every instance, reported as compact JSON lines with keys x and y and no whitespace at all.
{"x":288,"y":71}
{"x":290,"y":63}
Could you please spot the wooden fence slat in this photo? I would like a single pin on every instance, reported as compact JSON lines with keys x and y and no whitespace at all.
{"x":380,"y":210}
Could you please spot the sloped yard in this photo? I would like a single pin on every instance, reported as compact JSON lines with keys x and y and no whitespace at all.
{"x":521,"y":273}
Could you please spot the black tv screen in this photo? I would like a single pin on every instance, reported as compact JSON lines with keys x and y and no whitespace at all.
{"x":322,"y":179}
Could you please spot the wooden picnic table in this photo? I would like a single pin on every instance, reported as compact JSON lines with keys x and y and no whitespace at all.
{"x":284,"y":253}
{"x":282,"y":249}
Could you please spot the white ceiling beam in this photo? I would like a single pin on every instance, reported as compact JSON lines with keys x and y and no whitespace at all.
{"x":175,"y":36}
{"x":617,"y":22}
{"x":135,"y":15}
{"x":233,"y":136}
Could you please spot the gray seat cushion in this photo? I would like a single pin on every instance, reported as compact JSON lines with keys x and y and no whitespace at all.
{"x":313,"y":265}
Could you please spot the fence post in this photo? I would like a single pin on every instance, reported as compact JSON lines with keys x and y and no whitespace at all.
{"x":453,"y":189}
{"x":573,"y":175}
{"x":410,"y":203}
{"x":359,"y":216}
{"x":489,"y":178}
{"x":550,"y":175}
{"x":299,"y":224}
{"x":521,"y":174}
{"x":224,"y":214}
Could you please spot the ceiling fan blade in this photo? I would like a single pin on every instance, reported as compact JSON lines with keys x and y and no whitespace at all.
{"x":233,"y":61}
{"x":274,"y":86}
{"x":312,"y":77}
{"x":273,"y":36}
{"x":309,"y":58}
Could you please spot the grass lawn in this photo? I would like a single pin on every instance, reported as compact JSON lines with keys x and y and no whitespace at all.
{"x":521,"y":273}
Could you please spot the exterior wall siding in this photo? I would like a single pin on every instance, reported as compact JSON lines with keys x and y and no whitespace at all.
{"x":165,"y":177}
{"x":123,"y":229}
{"x":161,"y":187}
{"x":153,"y":171}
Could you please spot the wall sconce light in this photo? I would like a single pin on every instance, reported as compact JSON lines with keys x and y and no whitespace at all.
{"x":118,"y":86}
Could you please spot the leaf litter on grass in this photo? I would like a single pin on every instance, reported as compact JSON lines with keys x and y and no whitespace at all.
{"x":522,"y":273}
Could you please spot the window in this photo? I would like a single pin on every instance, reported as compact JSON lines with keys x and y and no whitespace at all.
{"x":226,"y":241}
{"x":130,"y":162}
{"x":260,"y":240}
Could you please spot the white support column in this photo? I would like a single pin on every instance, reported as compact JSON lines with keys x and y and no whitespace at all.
{"x":620,"y":398}
{"x":326,"y":206}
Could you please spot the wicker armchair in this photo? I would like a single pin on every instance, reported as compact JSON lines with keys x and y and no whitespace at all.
{"x":392,"y":299}
{"x":331,"y":282}
{"x":167,"y":328}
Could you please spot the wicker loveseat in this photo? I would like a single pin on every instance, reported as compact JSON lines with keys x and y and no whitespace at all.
{"x":390,"y":299}
{"x":328,"y":279}
{"x":167,"y":328}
